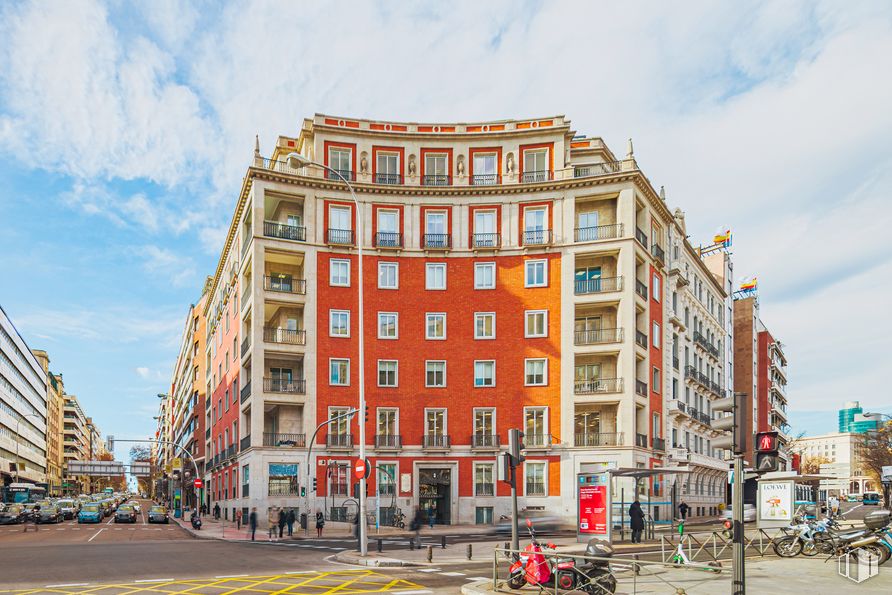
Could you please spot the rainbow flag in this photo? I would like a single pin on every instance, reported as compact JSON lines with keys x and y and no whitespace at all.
{"x":723,"y":238}
{"x":750,"y":284}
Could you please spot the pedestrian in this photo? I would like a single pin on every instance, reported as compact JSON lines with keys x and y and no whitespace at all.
{"x":320,"y":522}
{"x":833,"y":502}
{"x":431,"y":516}
{"x":272,"y":518}
{"x":281,"y":522}
{"x":238,"y":519}
{"x":289,"y":519}
{"x":252,"y":521}
{"x":683,"y":508}
{"x":204,"y":509}
{"x":356,"y":532}
{"x":217,"y":511}
{"x":35,"y":518}
{"x":415,"y":525}
{"x":636,"y":516}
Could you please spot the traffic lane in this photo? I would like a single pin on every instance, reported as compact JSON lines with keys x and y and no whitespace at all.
{"x":129,"y":561}
{"x":73,"y":533}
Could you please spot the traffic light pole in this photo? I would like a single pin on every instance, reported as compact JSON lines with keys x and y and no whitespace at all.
{"x":515,"y":542}
{"x":738,"y":584}
{"x":310,"y":470}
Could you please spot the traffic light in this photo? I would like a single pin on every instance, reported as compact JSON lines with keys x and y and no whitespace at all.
{"x":735,"y":424}
{"x":303,"y":492}
{"x":110,"y":443}
{"x":366,"y":414}
{"x":314,"y":484}
{"x":767,"y":458}
{"x":515,"y":445}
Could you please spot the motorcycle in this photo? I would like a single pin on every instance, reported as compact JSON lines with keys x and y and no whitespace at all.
{"x":591,"y":576}
{"x":196,"y":521}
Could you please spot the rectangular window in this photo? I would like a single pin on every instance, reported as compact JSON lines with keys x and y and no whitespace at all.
{"x":535,"y":473}
{"x":386,"y":479}
{"x":655,"y":287}
{"x":536,"y":372}
{"x":435,"y":275}
{"x":435,"y":164}
{"x":435,"y":222}
{"x":435,"y":422}
{"x":535,"y":161}
{"x":340,"y":273}
{"x":435,"y":326}
{"x":387,"y":422}
{"x":485,"y":229}
{"x":435,"y":374}
{"x":388,"y":275}
{"x":387,"y":168}
{"x":655,"y":335}
{"x":339,"y":159}
{"x":484,"y":484}
{"x":534,"y":226}
{"x":483,"y":515}
{"x":484,"y":325}
{"x":388,"y":325}
{"x":339,"y":372}
{"x":536,"y":323}
{"x":339,"y":323}
{"x":484,"y":373}
{"x":656,"y":380}
{"x":485,"y":275}
{"x":535,"y":273}
{"x":484,"y":427}
{"x":485,"y":164}
{"x":387,"y":372}
{"x":339,"y":218}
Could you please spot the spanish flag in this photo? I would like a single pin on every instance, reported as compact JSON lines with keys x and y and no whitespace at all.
{"x":750,"y":284}
{"x":723,"y":238}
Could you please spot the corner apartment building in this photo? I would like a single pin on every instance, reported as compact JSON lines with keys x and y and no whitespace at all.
{"x":515,"y":277}
{"x":760,"y":370}
{"x":55,"y":402}
{"x":23,"y":409}
{"x":75,"y":443}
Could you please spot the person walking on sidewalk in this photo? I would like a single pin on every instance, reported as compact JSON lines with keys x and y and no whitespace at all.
{"x":415,"y":525}
{"x":272,"y":518}
{"x":683,"y":509}
{"x":35,"y":518}
{"x":252,"y":522}
{"x":636,"y":517}
{"x":217,"y":511}
{"x":431,"y":516}
{"x":238,"y":519}
{"x":320,"y":522}
{"x":281,"y":522}
{"x":289,"y":519}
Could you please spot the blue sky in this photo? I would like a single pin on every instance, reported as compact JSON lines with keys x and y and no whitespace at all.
{"x":125,"y":129}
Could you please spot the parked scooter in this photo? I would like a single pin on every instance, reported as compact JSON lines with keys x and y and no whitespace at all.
{"x":591,"y":576}
{"x":196,"y":520}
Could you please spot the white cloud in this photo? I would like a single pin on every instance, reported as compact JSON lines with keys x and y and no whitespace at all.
{"x":113,"y":324}
{"x":167,"y":264}
{"x":143,"y":372}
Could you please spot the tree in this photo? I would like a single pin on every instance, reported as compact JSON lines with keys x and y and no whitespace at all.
{"x":812,"y":465}
{"x":875,"y":452}
{"x":140,"y":453}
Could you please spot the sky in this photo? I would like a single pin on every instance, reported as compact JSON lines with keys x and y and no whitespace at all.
{"x":126,"y":128}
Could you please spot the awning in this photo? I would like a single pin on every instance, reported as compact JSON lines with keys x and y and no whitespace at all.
{"x":638,"y":473}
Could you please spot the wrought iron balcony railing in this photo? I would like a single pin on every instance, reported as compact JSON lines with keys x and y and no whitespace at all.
{"x":282,"y":335}
{"x":598,"y":439}
{"x":597,"y":336}
{"x":536,"y":237}
{"x":339,"y":440}
{"x":485,"y":441}
{"x":284,"y":284}
{"x":339,"y":237}
{"x":388,"y":178}
{"x":436,"y":441}
{"x":286,"y":440}
{"x":274,"y":229}
{"x":388,"y":239}
{"x":529,"y":177}
{"x":486,"y":179}
{"x":285,"y":385}
{"x":441,"y":241}
{"x":600,"y":285}
{"x":598,"y":232}
{"x":388,"y":441}
{"x":641,"y":236}
{"x":597,"y":169}
{"x":487,"y":240}
{"x":436,"y":180}
{"x":349,"y":175}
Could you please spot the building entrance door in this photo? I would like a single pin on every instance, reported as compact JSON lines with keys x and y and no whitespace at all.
{"x":435,"y":495}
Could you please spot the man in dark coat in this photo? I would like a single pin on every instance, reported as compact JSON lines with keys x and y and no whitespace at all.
{"x":281,"y":522}
{"x":289,"y":519}
{"x":683,"y":508}
{"x":252,"y":521}
{"x":636,"y":516}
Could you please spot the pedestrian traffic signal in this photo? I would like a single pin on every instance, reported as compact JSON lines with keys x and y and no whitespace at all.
{"x":734,"y":424}
{"x":767,"y":458}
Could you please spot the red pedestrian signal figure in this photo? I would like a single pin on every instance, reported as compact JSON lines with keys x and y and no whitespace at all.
{"x":767,"y":442}
{"x":767,"y":458}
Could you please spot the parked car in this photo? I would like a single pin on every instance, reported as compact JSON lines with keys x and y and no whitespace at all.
{"x":853,"y":498}
{"x":90,"y":513}
{"x":69,"y":508}
{"x":749,"y":513}
{"x":49,"y":513}
{"x":872,"y":498}
{"x":158,"y":514}
{"x":125,"y":514}
{"x":12,"y":514}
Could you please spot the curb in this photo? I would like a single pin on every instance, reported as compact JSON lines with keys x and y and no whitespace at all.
{"x":352,"y":558}
{"x":478,"y":588}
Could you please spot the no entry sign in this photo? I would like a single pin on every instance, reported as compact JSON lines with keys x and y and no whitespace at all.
{"x":361,"y":468}
{"x":198,"y":483}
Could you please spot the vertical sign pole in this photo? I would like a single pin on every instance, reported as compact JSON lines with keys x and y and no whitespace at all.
{"x":515,"y":544}
{"x":738,"y":586}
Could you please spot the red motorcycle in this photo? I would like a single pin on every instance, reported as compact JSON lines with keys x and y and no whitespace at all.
{"x":532,"y":567}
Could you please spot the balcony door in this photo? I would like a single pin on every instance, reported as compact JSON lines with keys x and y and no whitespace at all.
{"x":387,"y":168}
{"x":388,"y":227}
{"x":588,"y":279}
{"x":534,"y":226}
{"x":587,"y":427}
{"x":435,"y":168}
{"x":339,"y":160}
{"x":535,"y":165}
{"x":534,"y":424}
{"x":484,"y":228}
{"x":587,"y":377}
{"x":281,"y":379}
{"x":587,"y":329}
{"x":387,"y":419}
{"x":339,"y":218}
{"x":485,"y":165}
{"x":435,"y":222}
{"x":484,"y":427}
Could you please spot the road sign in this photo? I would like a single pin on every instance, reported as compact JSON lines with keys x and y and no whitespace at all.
{"x":361,"y":468}
{"x":176,"y":463}
{"x":198,"y":483}
{"x":887,"y":473}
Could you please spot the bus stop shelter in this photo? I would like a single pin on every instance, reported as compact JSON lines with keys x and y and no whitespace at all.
{"x":651,"y":506}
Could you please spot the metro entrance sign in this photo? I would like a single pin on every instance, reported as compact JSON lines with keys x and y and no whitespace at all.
{"x":198,"y":483}
{"x":361,"y":468}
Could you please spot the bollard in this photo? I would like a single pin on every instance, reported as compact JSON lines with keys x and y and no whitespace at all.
{"x":635,"y":566}
{"x":430,"y":553}
{"x":469,"y":551}
{"x":443,"y":542}
{"x":411,"y":543}
{"x":380,"y":546}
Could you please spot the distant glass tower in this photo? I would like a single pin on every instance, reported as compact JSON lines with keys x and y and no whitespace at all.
{"x":847,"y":423}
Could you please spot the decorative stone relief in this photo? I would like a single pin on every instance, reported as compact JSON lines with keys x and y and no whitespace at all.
{"x":364,"y":162}
{"x":460,"y":165}
{"x":412,"y":167}
{"x":509,"y":164}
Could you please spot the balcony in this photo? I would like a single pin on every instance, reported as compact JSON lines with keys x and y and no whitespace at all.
{"x":641,"y":339}
{"x":641,"y":288}
{"x":285,"y":285}
{"x":597,"y":169}
{"x":598,"y":336}
{"x":641,"y":236}
{"x":486,"y":179}
{"x":536,"y":237}
{"x":437,"y":241}
{"x":337,"y":174}
{"x":535,"y":488}
{"x":246,"y":391}
{"x":388,"y":441}
{"x":388,"y":239}
{"x":436,"y":441}
{"x":339,"y":237}
{"x":287,"y":440}
{"x":343,"y":441}
{"x":391,"y":179}
{"x":286,"y":336}
{"x":599,"y":232}
{"x":598,"y":386}
{"x":675,"y":361}
{"x":245,"y":490}
{"x":246,"y":344}
{"x":598,"y":439}
{"x":676,"y":406}
{"x":641,"y":440}
{"x":436,"y":180}
{"x":486,"y":241}
{"x":296,"y":386}
{"x":537,"y":441}
{"x":679,"y":455}
{"x":485,"y":441}
{"x":274,"y":229}
{"x":657,"y":251}
{"x":484,"y":489}
{"x":659,"y":444}
{"x":531,"y":177}
{"x":701,"y":341}
{"x":641,"y":388}
{"x":245,"y":443}
{"x":231,"y":451}
{"x":600,"y":285}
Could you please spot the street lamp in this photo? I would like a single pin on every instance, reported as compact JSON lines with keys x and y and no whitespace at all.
{"x":18,"y":438}
{"x":296,"y":160}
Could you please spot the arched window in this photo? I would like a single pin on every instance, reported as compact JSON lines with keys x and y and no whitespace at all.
{"x":854,"y":487}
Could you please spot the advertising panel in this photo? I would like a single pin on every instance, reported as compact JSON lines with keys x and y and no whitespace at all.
{"x":775,"y":505}
{"x":594,"y":505}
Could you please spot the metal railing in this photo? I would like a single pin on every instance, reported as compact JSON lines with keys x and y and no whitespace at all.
{"x":245,"y":443}
{"x":641,"y":388}
{"x":705,"y":419}
{"x":600,"y":285}
{"x":339,"y":440}
{"x":484,"y":489}
{"x":285,"y":385}
{"x":641,"y":288}
{"x":659,"y":444}
{"x":641,"y":236}
{"x":285,"y":284}
{"x":486,"y":179}
{"x":437,"y":240}
{"x":289,"y":440}
{"x":486,"y":240}
{"x":246,"y":391}
{"x":281,"y":489}
{"x":598,"y":439}
{"x":388,"y":239}
{"x":598,"y":232}
{"x":388,"y":178}
{"x":543,"y":175}
{"x":231,"y":451}
{"x":597,"y":336}
{"x":641,"y":338}
{"x":641,"y":440}
{"x":485,"y":441}
{"x":658,"y":252}
{"x":600,"y":385}
{"x":537,"y":440}
{"x":340,"y":237}
{"x":274,"y":229}
{"x":246,"y":344}
{"x":675,"y":361}
{"x":436,"y":180}
{"x":535,"y":488}
{"x":281,"y":335}
{"x":536,"y":237}
{"x":388,"y":441}
{"x":597,"y":169}
{"x":347,"y":174}
{"x":436,"y":441}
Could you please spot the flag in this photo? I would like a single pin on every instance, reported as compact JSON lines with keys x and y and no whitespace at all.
{"x":749,"y":284}
{"x":723,"y":237}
